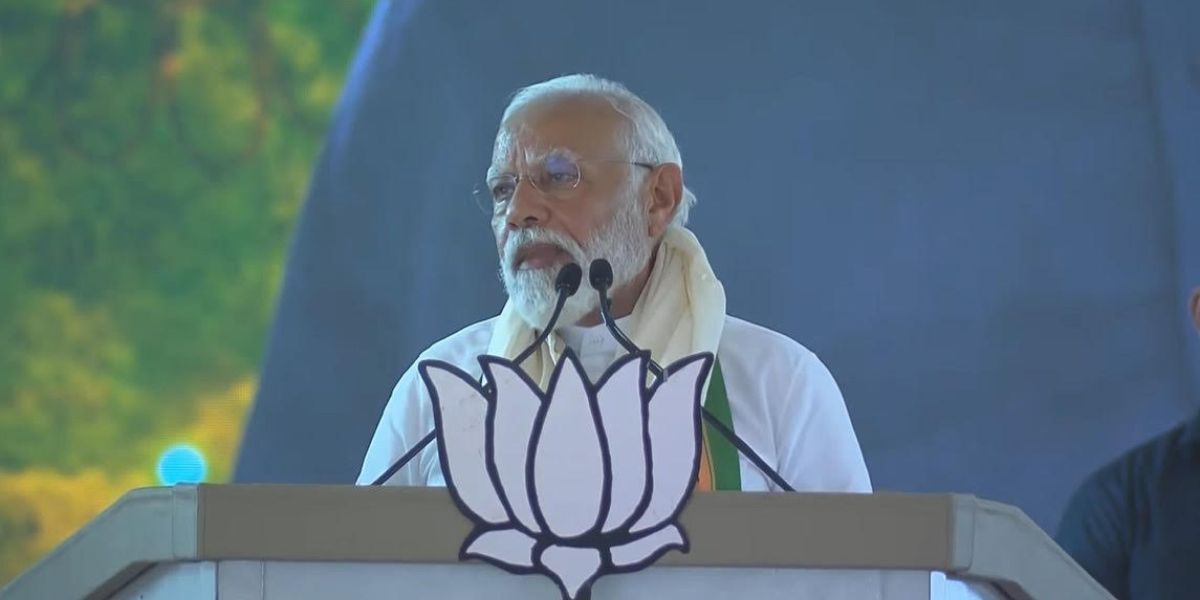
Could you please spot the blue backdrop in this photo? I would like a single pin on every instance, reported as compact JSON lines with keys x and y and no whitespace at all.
{"x":981,"y":215}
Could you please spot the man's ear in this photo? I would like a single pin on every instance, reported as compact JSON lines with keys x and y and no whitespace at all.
{"x":1194,"y":305}
{"x":666,"y":192}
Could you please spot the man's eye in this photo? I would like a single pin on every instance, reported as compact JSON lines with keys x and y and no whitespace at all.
{"x":502,"y":191}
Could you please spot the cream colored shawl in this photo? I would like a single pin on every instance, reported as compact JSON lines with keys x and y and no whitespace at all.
{"x":681,"y":312}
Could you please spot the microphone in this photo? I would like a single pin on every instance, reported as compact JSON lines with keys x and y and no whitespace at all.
{"x":600,"y":275}
{"x":568,"y":279}
{"x":567,"y":283}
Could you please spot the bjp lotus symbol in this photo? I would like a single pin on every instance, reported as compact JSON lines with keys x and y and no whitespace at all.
{"x":575,"y":482}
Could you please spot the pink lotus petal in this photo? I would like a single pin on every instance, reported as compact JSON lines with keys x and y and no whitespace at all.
{"x":517,"y":406}
{"x":673,"y":446}
{"x":623,"y":420}
{"x":508,"y":546}
{"x":460,"y":412}
{"x":571,"y":567}
{"x":568,"y":462}
{"x":645,"y":547}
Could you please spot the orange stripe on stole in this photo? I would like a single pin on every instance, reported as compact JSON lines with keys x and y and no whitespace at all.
{"x":704,"y":479}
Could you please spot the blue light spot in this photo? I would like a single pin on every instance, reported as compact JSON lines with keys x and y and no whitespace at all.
{"x":181,"y":464}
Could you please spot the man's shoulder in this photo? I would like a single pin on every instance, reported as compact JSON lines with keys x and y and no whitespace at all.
{"x":1103,"y":514}
{"x":463,"y":345}
{"x":1143,"y":464}
{"x":744,"y":338}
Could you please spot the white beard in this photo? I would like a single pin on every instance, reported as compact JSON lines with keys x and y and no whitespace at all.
{"x":623,"y":242}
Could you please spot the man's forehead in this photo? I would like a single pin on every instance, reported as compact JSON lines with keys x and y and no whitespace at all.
{"x":586,"y":126}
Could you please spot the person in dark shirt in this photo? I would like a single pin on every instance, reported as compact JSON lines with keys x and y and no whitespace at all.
{"x":1135,"y":524}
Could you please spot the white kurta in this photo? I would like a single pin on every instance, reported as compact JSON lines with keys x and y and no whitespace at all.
{"x":785,"y":405}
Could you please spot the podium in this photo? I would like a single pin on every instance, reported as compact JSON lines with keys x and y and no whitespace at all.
{"x":299,"y":542}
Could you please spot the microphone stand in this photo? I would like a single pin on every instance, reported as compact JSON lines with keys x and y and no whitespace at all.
{"x":567,"y":283}
{"x":565,"y":290}
{"x":601,"y":277}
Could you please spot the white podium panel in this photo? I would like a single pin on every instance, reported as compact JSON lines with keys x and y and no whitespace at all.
{"x":289,"y":580}
{"x":281,"y":542}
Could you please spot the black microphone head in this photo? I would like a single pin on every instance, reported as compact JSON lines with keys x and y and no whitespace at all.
{"x":568,"y":279}
{"x":600,"y":274}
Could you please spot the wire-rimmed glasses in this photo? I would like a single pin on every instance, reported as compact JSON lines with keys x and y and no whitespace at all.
{"x":556,"y":174}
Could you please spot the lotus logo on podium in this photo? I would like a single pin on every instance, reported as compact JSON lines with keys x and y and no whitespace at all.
{"x":575,"y":482}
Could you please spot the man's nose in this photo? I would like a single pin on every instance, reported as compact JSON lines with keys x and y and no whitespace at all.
{"x":528,"y":206}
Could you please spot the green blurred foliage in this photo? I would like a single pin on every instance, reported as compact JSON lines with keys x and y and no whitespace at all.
{"x":153,"y":157}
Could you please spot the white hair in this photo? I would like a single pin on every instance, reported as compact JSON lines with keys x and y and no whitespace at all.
{"x":647,"y":140}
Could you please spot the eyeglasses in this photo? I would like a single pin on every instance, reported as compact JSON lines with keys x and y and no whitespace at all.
{"x":556,"y":174}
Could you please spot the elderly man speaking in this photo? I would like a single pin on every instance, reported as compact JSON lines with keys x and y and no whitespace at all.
{"x":583,"y":169}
